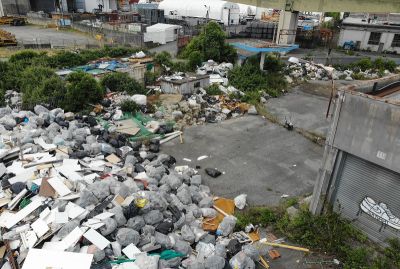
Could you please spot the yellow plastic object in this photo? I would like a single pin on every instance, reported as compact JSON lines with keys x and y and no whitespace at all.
{"x":141,"y":202}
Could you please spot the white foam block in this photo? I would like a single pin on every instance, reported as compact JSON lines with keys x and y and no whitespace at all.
{"x":72,"y":238}
{"x":61,"y":217}
{"x":23,"y":213}
{"x":59,"y":186}
{"x":44,"y":259}
{"x":131,"y":251}
{"x":97,"y":239}
{"x":74,"y":210}
{"x":103,"y":216}
{"x":40,"y":227}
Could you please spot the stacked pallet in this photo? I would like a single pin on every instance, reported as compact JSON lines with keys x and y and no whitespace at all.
{"x":7,"y":39}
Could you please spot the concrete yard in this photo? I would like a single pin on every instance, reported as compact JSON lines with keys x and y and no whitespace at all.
{"x":259,"y":158}
{"x":305,"y":110}
{"x":39,"y":35}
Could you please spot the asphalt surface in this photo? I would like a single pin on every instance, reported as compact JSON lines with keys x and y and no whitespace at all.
{"x":258,"y":158}
{"x":304,"y":110}
{"x":39,"y":35}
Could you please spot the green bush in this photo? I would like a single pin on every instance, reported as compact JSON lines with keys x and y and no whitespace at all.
{"x":273,"y":64}
{"x":213,"y":90}
{"x":24,"y":57}
{"x":81,"y":90}
{"x":121,"y":82}
{"x":210,"y":44}
{"x":249,"y":78}
{"x":195,"y":60}
{"x":150,"y":78}
{"x":363,"y":64}
{"x":164,"y":60}
{"x":358,"y":76}
{"x":129,"y":106}
{"x":40,"y":85}
{"x":65,"y":59}
{"x":327,"y":232}
{"x":392,"y":252}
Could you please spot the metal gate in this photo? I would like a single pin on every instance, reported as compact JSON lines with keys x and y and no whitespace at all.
{"x":369,"y":195}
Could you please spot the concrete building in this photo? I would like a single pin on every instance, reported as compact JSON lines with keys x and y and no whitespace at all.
{"x":221,"y":11}
{"x":360,"y":173}
{"x":162,"y":33}
{"x":370,"y":34}
{"x":12,"y":7}
{"x":184,"y":85}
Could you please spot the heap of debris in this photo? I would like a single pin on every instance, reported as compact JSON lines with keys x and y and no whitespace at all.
{"x":188,"y":109}
{"x":307,"y":71}
{"x":82,"y":196}
{"x":218,"y":72}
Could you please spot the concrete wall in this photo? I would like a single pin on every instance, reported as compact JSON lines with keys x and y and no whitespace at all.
{"x":10,"y":7}
{"x":362,"y":35}
{"x":369,"y":128}
{"x":185,"y":88}
{"x":364,"y":126}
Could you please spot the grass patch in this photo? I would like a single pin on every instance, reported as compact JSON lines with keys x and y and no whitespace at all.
{"x":328,"y":233}
{"x":263,"y":216}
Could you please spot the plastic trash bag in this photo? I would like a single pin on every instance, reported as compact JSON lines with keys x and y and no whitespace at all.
{"x":240,"y":201}
{"x":225,"y":228}
{"x":212,"y":172}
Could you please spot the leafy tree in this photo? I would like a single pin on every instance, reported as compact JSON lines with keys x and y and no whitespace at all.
{"x":164,"y":60}
{"x":195,"y":59}
{"x":66,"y":59}
{"x":211,"y":44}
{"x":81,"y":89}
{"x":40,"y":85}
{"x":121,"y":82}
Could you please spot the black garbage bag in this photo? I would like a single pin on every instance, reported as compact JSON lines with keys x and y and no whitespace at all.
{"x":212,"y":172}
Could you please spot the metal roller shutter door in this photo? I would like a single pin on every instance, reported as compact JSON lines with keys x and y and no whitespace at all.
{"x":359,"y":179}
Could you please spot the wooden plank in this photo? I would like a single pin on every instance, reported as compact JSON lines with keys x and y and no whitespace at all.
{"x":227,"y":206}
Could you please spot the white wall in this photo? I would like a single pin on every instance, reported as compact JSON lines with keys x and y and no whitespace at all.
{"x":161,"y":36}
{"x":363,"y":36}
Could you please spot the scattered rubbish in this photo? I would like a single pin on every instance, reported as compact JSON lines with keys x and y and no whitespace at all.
{"x":212,"y":172}
{"x":264,"y":241}
{"x":284,"y":196}
{"x":202,"y":157}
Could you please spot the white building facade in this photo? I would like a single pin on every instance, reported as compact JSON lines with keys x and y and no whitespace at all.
{"x":371,"y":36}
{"x":220,"y":11}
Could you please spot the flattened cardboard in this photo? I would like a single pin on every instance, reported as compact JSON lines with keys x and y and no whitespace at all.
{"x":46,"y":190}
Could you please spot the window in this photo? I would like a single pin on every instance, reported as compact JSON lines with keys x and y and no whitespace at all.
{"x":374,"y":38}
{"x":197,"y":84}
{"x":396,"y":40}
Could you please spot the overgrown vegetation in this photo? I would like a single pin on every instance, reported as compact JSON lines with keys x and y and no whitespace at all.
{"x":213,"y":90}
{"x":82,"y":89}
{"x":129,"y":106}
{"x":32,"y":73}
{"x":252,"y":81}
{"x":210,"y":44}
{"x":364,"y":64}
{"x":121,"y":82}
{"x":328,"y":233}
